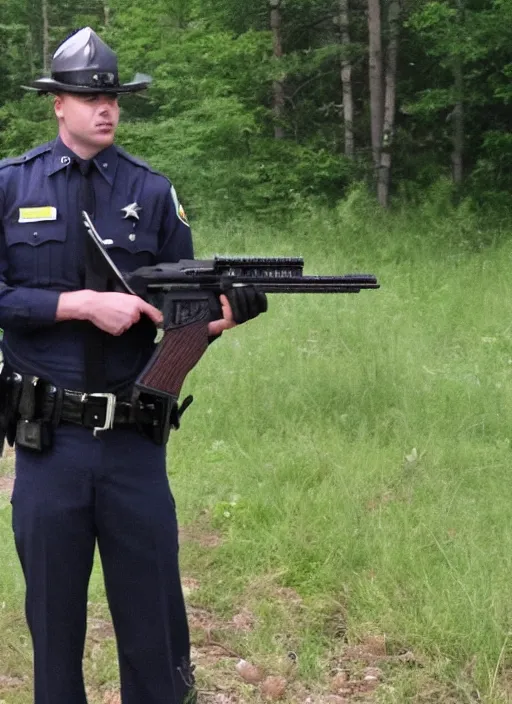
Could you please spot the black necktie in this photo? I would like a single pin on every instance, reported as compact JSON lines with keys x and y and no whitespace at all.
{"x":87,"y":190}
{"x":94,"y":338}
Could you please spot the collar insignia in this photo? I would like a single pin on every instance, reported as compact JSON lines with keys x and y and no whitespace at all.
{"x":131,"y":211}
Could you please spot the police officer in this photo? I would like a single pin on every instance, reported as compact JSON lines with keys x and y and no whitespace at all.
{"x":71,"y":355}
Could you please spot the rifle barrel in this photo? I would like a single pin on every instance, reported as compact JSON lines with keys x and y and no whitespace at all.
{"x":279,"y":282}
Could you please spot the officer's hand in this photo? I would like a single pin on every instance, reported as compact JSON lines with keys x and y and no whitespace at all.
{"x":112,"y":312}
{"x":238,"y":305}
{"x":116,"y":312}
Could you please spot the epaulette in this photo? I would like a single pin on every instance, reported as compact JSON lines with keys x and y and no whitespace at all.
{"x":28,"y":156}
{"x":139,"y":162}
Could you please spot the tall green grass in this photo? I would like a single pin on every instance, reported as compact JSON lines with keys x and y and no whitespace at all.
{"x":355,"y":450}
{"x":358,"y":447}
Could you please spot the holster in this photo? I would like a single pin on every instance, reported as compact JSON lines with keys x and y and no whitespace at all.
{"x":158,"y":429}
{"x":34,"y":430}
{"x":166,"y":414}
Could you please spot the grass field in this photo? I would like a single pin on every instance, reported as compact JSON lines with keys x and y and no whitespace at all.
{"x":342,"y":477}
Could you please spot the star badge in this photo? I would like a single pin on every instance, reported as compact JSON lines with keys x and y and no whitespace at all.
{"x":132,"y":211}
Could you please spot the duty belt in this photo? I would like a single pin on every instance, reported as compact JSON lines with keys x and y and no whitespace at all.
{"x":33,"y":408}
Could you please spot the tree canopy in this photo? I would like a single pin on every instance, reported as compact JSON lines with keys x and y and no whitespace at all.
{"x":246,"y":108}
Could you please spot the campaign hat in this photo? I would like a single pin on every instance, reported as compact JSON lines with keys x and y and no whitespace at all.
{"x":83,"y":63}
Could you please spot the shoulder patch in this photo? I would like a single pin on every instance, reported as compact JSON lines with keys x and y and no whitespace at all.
{"x":28,"y":156}
{"x":180,"y":211}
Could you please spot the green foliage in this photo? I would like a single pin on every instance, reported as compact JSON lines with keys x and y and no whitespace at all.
{"x":207,"y":119}
{"x":25,"y":123}
{"x":210,"y":127}
{"x":491,"y":179}
{"x":294,"y":173}
{"x":476,"y":37}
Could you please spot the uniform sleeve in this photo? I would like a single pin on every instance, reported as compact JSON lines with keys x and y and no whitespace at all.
{"x":175,"y":233}
{"x":22,"y":307}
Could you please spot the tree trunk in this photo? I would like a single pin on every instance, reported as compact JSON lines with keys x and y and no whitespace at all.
{"x":46,"y":43}
{"x":106,"y":13}
{"x":458,"y":110}
{"x":388,"y":127}
{"x":346,"y":81}
{"x":375,"y":76}
{"x":278,"y":84}
{"x":32,"y":60}
{"x":458,"y":131}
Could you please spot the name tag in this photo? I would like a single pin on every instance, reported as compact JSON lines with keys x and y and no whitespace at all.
{"x":40,"y":214}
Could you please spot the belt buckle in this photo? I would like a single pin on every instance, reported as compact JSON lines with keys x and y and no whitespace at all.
{"x":109,"y":412}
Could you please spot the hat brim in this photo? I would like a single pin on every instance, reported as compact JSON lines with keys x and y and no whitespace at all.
{"x":49,"y":85}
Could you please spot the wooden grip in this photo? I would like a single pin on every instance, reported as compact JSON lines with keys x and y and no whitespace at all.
{"x":176,"y":354}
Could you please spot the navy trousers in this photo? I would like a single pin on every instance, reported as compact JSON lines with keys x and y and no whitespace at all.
{"x":111,"y":491}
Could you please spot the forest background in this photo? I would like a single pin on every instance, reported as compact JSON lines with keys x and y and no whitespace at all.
{"x":343,"y":475}
{"x":258,"y":106}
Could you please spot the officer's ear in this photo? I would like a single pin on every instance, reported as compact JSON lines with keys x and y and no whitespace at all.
{"x":58,"y":106}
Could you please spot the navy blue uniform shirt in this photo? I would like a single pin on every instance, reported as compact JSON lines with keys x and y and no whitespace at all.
{"x":41,"y":257}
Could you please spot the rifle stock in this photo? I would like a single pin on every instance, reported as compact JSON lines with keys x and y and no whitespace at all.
{"x":187,"y":293}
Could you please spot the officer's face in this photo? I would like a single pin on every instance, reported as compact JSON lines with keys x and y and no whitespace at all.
{"x":87,"y":121}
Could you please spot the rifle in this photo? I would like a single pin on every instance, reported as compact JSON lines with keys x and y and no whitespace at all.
{"x":187,"y":293}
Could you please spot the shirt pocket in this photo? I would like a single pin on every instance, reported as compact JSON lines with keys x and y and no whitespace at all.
{"x":35,"y":251}
{"x":133,"y":248}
